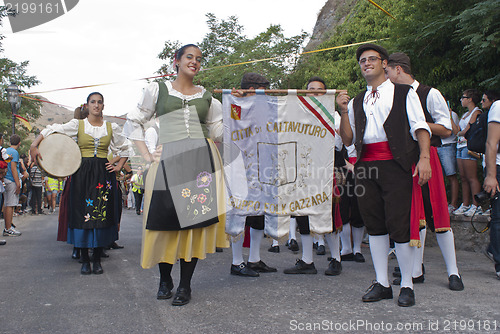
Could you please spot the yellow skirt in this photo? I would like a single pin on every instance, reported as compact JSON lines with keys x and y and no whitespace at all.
{"x":170,"y":246}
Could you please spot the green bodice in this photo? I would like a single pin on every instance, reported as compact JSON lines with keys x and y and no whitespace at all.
{"x":181,"y":118}
{"x":93,"y":147}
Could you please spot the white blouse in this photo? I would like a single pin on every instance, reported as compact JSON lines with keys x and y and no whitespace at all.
{"x":120,"y":146}
{"x":378,"y":108}
{"x":145,"y":111}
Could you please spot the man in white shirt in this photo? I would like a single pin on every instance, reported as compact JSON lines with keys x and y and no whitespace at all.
{"x":384,"y":122}
{"x":433,"y":193}
{"x":491,"y":182}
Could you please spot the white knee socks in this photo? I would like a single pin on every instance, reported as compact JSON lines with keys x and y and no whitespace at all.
{"x":307,"y":248}
{"x":333,"y":240}
{"x":379,"y":248}
{"x":405,"y":255}
{"x":419,"y":255}
{"x":345,"y":237}
{"x":446,"y":242}
{"x":357,"y":238}
{"x":255,"y":239}
{"x":237,"y":249}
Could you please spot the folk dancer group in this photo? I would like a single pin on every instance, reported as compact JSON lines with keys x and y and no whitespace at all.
{"x":393,"y":127}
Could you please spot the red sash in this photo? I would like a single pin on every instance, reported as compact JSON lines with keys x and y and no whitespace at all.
{"x":439,"y":202}
{"x":376,"y":151}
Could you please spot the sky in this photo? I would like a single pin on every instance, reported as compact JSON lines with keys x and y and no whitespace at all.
{"x":118,"y":41}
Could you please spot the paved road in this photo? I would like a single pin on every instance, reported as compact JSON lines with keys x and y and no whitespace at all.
{"x":43,"y":292}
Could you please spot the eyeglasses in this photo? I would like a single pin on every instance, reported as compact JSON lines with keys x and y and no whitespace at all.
{"x":465,"y":97}
{"x":371,"y":59}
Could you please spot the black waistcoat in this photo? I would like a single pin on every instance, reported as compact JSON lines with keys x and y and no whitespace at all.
{"x":397,"y":128}
{"x":423,"y":92}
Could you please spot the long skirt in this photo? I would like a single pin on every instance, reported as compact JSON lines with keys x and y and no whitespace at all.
{"x":180,"y":198}
{"x":94,"y":205}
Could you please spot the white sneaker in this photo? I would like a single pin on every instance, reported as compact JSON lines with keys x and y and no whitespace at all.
{"x":461,"y":209}
{"x":473,"y":210}
{"x":11,"y":232}
{"x":451,"y":208}
{"x":487,"y":212}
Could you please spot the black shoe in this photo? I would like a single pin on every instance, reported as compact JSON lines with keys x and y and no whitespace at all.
{"x":76,"y":253}
{"x":218,"y":250}
{"x":334,"y":268}
{"x":377,"y":292}
{"x":293,"y":245}
{"x":97,"y":268}
{"x":455,"y":283}
{"x":321,"y":250}
{"x":274,"y":249}
{"x":301,"y":268}
{"x":416,"y":280}
{"x":114,"y":245}
{"x":315,"y":245}
{"x":358,"y":257}
{"x":2,"y":242}
{"x":182,"y":297}
{"x":243,"y":270}
{"x":406,"y":297}
{"x":261,"y":267}
{"x":347,"y":257}
{"x":85,"y":268}
{"x":165,"y":291}
{"x":138,"y":213}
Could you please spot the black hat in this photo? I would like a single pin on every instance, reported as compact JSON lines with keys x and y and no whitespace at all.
{"x":370,"y":46}
{"x":401,"y":59}
{"x":253,"y":80}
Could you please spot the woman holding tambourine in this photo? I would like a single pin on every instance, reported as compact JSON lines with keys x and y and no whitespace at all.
{"x":93,"y":213}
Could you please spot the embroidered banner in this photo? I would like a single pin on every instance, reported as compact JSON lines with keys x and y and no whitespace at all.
{"x":278,"y":158}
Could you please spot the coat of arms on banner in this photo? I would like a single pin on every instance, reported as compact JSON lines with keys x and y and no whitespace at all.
{"x":278,"y":160}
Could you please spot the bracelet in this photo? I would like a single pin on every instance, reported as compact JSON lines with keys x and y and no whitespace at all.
{"x":344,"y":112}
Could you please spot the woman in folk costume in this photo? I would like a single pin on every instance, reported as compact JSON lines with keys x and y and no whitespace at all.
{"x":94,"y":204}
{"x":183,"y":211}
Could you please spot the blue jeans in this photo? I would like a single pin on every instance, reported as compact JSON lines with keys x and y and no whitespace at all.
{"x":494,"y":246}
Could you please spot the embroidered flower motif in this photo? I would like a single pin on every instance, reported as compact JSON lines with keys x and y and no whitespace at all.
{"x":186,"y":192}
{"x":205,"y":209}
{"x":108,"y":185}
{"x":202,"y":198}
{"x":105,"y":198}
{"x":207,"y":190}
{"x":195,"y":212}
{"x":99,"y":186}
{"x":87,"y":217}
{"x":203,"y":180}
{"x":193,"y":198}
{"x":89,"y":202}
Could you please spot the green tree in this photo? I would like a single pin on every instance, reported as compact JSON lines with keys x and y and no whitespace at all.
{"x":11,"y":71}
{"x":225,"y":44}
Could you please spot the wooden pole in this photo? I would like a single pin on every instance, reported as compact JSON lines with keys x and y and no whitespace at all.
{"x":288,"y":91}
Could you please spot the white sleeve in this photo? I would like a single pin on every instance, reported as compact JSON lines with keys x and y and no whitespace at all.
{"x":350,"y":110}
{"x":214,"y":120}
{"x":69,"y":129}
{"x":438,"y":108}
{"x":120,"y":145}
{"x":134,"y":127}
{"x":416,"y":116}
{"x":151,"y":139}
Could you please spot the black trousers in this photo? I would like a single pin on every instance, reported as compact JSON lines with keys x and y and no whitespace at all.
{"x":36,"y":199}
{"x":385,"y":201}
{"x":138,"y":201}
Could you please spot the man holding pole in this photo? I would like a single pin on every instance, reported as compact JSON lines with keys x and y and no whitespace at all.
{"x":385,"y":122}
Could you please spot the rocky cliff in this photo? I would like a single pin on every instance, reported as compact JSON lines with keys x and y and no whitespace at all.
{"x":333,"y":13}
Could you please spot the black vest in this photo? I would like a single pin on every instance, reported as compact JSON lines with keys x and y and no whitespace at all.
{"x":423,"y":92}
{"x":397,"y":128}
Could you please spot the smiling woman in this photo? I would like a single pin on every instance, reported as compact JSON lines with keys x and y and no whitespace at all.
{"x":182,"y":201}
